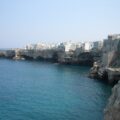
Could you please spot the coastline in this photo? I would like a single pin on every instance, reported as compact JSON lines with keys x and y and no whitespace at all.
{"x":106,"y":66}
{"x":84,"y":58}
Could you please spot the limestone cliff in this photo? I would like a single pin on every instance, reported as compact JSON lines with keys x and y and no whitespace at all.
{"x":7,"y":53}
{"x":108,"y":67}
{"x":84,"y":58}
{"x":112,"y":110}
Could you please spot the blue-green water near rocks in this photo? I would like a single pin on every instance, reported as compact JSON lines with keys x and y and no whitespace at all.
{"x":31,"y":90}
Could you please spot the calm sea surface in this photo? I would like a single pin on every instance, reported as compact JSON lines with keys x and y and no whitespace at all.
{"x":32,"y":90}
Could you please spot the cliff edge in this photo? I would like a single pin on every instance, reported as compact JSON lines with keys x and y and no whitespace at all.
{"x":112,"y":110}
{"x":108,"y":67}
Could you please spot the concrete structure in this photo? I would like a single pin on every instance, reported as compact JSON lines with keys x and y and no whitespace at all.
{"x":61,"y":47}
{"x":68,"y":46}
{"x":30,"y":47}
{"x":114,"y":36}
{"x":97,"y":45}
{"x":87,"y":46}
{"x":41,"y":46}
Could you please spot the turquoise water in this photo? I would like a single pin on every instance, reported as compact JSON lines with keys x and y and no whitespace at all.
{"x":31,"y":90}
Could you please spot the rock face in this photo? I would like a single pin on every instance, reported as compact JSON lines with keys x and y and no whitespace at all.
{"x":84,"y":58}
{"x":111,"y":53}
{"x":2,"y":54}
{"x":112,"y":110}
{"x":50,"y":55}
{"x":108,"y":67}
{"x":7,"y":53}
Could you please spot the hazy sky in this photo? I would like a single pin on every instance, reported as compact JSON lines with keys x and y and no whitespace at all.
{"x":52,"y":21}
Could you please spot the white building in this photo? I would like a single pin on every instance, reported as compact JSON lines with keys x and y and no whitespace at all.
{"x":87,"y":46}
{"x":97,"y":45}
{"x":30,"y":47}
{"x":70,"y":47}
{"x":41,"y":46}
{"x":114,"y":36}
{"x":67,"y":46}
{"x":61,"y":47}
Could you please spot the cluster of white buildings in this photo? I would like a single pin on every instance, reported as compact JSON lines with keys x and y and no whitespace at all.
{"x":39,"y":46}
{"x":67,"y":46}
{"x":113,"y":36}
{"x":72,"y":46}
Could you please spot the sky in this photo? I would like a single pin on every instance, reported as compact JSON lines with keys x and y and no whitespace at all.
{"x":53,"y":21}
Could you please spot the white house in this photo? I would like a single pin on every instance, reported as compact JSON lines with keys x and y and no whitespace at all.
{"x":67,"y":46}
{"x":61,"y":47}
{"x":30,"y":47}
{"x":97,"y":45}
{"x":114,"y":36}
{"x":87,"y":46}
{"x":41,"y":46}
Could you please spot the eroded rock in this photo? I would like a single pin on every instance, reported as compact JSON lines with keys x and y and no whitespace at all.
{"x":112,"y":110}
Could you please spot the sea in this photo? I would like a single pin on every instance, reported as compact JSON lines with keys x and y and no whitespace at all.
{"x":39,"y":90}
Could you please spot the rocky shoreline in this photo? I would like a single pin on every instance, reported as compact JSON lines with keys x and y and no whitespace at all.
{"x":84,"y":58}
{"x":112,"y":110}
{"x":108,"y":69}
